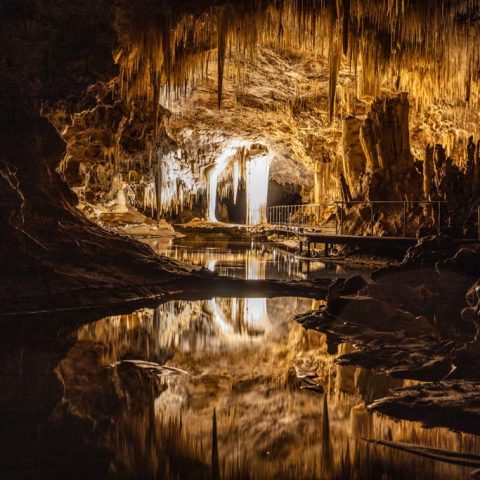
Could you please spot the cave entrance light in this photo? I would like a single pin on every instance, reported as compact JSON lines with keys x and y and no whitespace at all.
{"x":217,"y":170}
{"x":258,"y":171}
{"x":255,"y":170}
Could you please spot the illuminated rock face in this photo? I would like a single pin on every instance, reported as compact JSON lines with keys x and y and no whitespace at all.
{"x":290,"y":66}
{"x":258,"y":169}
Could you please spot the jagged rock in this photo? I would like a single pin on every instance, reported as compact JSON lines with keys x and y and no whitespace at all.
{"x":466,"y":261}
{"x":349,"y":286}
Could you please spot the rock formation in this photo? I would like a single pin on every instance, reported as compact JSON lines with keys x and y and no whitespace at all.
{"x":99,"y":71}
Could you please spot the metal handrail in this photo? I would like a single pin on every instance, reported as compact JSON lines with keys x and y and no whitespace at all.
{"x":309,"y":215}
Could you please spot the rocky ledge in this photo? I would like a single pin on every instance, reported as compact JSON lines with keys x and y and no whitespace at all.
{"x":417,"y":321}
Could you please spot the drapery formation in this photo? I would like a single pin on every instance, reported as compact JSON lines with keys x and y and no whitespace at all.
{"x":425,"y":47}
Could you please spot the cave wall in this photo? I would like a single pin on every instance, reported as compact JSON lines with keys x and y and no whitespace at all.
{"x":51,"y":54}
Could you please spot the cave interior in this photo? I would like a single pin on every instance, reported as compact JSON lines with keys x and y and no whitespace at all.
{"x":237,"y":236}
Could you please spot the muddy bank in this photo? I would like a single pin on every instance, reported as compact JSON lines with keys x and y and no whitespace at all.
{"x":416,"y":321}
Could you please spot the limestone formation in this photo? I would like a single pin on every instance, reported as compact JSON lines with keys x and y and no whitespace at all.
{"x":354,"y":160}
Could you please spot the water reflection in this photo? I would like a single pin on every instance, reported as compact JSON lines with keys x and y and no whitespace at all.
{"x":140,"y":392}
{"x":268,"y":425}
{"x":247,"y":259}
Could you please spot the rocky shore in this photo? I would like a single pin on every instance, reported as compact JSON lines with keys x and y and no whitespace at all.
{"x":417,"y":321}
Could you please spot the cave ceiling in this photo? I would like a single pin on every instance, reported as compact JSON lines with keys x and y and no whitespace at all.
{"x":284,"y":72}
{"x":428,"y":48}
{"x":196,"y":77}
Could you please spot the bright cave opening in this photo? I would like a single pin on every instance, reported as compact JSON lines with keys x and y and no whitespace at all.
{"x":242,"y":170}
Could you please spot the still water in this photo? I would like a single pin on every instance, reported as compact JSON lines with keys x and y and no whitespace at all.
{"x":230,"y":388}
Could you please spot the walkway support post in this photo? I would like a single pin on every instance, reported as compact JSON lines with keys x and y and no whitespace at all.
{"x":478,"y":222}
{"x":404,"y":219}
{"x":439,"y":226}
{"x":371,"y":217}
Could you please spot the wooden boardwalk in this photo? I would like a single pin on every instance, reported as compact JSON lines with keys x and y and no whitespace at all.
{"x":301,"y":221}
{"x":309,"y":237}
{"x":328,"y":237}
{"x":328,"y":240}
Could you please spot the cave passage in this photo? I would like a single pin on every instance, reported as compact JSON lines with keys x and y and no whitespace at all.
{"x":240,"y":239}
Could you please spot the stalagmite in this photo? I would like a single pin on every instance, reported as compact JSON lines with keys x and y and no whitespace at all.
{"x":369,"y":147}
{"x":439,"y":159}
{"x":354,"y":161}
{"x":471,"y":150}
{"x":346,"y":194}
{"x":385,"y":134}
{"x":476,"y":172}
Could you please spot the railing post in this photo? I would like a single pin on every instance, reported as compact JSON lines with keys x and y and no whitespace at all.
{"x":404,"y":219}
{"x":341,"y":218}
{"x":371,"y":217}
{"x":439,"y":226}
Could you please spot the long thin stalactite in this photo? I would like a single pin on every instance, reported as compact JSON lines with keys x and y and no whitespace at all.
{"x":429,"y":50}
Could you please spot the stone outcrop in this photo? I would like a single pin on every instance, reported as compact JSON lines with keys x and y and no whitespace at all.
{"x":413,"y":322}
{"x":354,"y":160}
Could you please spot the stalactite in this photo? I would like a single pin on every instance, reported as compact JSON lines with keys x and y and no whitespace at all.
{"x":388,"y":41}
{"x":236,"y":180}
{"x":223,"y":19}
{"x":346,"y":25}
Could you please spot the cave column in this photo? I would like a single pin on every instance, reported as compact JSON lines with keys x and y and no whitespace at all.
{"x":354,"y":160}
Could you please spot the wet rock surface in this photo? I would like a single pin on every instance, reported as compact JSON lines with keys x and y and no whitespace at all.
{"x":454,"y":404}
{"x":417,"y":321}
